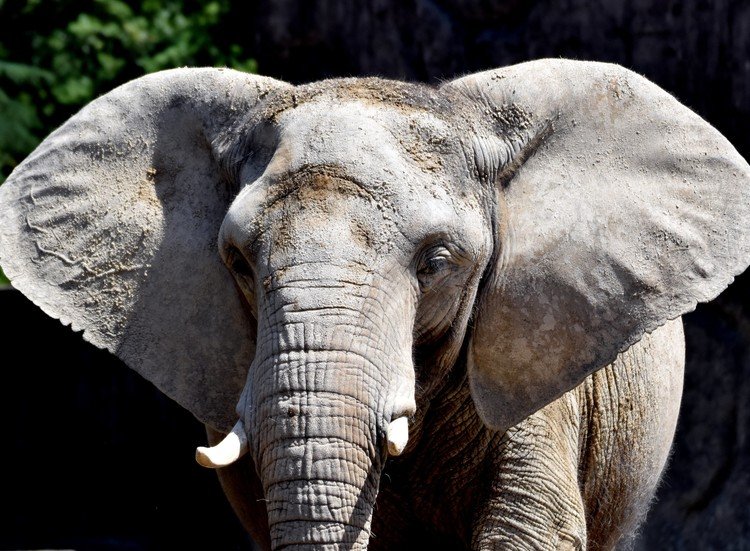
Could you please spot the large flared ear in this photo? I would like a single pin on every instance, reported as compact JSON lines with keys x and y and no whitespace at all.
{"x":618,"y":209}
{"x":111,"y":224}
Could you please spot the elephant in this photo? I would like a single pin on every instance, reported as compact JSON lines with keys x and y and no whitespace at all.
{"x":409,"y":316}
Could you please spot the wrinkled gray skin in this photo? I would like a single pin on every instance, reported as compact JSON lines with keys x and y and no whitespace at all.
{"x":320,"y":260}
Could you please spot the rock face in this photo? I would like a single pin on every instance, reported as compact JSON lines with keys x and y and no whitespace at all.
{"x":73,"y":477}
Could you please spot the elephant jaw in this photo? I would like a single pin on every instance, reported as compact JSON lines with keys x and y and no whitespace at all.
{"x":225,"y":452}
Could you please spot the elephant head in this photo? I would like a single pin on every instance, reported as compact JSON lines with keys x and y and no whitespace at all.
{"x":302,"y":266}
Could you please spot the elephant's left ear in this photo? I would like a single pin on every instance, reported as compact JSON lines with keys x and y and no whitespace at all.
{"x":619,"y":209}
{"x":110,"y":226}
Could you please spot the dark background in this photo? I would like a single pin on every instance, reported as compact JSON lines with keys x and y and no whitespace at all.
{"x":74,"y":419}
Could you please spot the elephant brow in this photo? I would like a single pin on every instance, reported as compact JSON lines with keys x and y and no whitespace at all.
{"x":330,"y":175}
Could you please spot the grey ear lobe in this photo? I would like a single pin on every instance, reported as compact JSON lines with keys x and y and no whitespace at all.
{"x":621,"y":210}
{"x":110,"y":225}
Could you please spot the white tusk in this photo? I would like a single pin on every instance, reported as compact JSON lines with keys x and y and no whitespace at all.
{"x":398,"y":435}
{"x":225,"y":452}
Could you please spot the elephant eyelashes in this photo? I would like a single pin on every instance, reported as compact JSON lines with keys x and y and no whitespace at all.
{"x":435,"y":262}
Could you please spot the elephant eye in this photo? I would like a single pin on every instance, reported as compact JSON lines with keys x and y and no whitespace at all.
{"x":435,"y":261}
{"x":238,"y":263}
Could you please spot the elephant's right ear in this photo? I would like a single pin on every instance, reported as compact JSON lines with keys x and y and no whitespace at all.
{"x":619,"y":209}
{"x":110,"y":225}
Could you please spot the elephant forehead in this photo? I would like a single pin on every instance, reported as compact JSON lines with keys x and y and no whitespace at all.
{"x":354,"y":174}
{"x":321,"y":209}
{"x":382,"y":141}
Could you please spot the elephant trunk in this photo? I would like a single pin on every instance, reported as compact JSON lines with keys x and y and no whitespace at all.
{"x":319,"y":452}
{"x":332,"y":371}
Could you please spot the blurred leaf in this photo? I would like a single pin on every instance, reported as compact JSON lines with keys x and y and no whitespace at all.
{"x":57,"y":56}
{"x":17,"y":131}
{"x":21,"y":73}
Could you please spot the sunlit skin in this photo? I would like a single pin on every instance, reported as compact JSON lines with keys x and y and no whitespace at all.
{"x":409,"y":316}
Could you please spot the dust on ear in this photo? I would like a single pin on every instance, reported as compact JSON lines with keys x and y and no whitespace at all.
{"x":623,"y":210}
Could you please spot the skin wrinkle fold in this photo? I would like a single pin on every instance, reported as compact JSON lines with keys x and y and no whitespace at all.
{"x":362,"y":313}
{"x":362,"y":339}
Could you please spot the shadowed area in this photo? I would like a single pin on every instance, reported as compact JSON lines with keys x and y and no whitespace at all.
{"x":73,"y":467}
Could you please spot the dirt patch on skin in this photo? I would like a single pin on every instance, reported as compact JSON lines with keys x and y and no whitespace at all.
{"x":146,"y":192}
{"x":362,"y":234}
{"x":312,"y":189}
{"x":412,"y":100}
{"x":314,"y":184}
{"x":512,"y":118}
{"x":401,"y":95}
{"x":426,"y":146}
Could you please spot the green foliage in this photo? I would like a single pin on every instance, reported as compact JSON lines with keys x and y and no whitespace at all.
{"x":19,"y":121}
{"x":56,"y":56}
